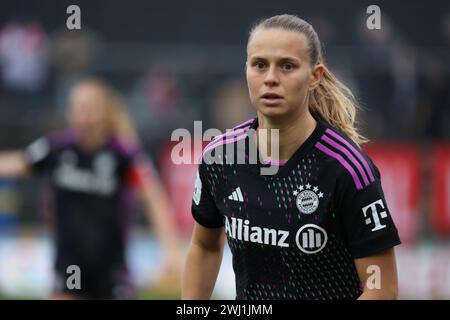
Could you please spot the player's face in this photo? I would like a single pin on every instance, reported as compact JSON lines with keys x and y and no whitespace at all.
{"x":88,"y":112}
{"x":279,"y":73}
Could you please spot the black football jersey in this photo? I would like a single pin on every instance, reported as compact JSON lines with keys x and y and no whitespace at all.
{"x":91,"y":197}
{"x":294,"y":234}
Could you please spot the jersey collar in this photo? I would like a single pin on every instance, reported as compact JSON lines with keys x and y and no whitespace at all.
{"x":301,"y":151}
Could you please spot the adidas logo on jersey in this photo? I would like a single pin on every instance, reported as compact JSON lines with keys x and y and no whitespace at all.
{"x":236,"y":195}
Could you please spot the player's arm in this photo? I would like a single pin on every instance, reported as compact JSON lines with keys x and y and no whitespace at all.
{"x":34,"y":158}
{"x":13,"y":164}
{"x":203,"y":262}
{"x":370,"y":234}
{"x":378,"y":276}
{"x":159,"y":213}
{"x":206,"y":248}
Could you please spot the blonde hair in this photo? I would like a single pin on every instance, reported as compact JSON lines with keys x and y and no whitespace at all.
{"x":331,"y":101}
{"x":120,"y":123}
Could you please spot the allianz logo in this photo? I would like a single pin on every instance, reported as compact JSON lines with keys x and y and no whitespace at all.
{"x":99,"y":180}
{"x":309,"y":238}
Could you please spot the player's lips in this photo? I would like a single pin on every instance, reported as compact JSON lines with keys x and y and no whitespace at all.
{"x":271,"y":98}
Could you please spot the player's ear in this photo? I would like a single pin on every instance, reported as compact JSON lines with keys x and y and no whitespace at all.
{"x":317,"y":73}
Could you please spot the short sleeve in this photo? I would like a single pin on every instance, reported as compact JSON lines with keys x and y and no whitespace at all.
{"x":204,"y":209}
{"x":140,"y":169}
{"x":38,"y":154}
{"x":367,"y":224}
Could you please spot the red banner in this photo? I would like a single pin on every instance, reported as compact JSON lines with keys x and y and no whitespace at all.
{"x":441,"y":190}
{"x":400,"y":170}
{"x":179,"y":181}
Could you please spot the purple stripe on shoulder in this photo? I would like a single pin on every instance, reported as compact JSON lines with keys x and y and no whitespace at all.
{"x":62,"y":138}
{"x":349,"y":155}
{"x":339,"y":158}
{"x":275,"y":163}
{"x":244,"y":123}
{"x":218,"y":139}
{"x":222,"y":142}
{"x":128,"y":149}
{"x":355,"y":152}
{"x":232,"y":132}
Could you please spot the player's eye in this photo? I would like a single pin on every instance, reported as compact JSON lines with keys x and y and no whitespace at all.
{"x":287,"y":66}
{"x":259,"y":65}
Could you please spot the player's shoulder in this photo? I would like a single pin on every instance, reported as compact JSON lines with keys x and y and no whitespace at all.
{"x":219,"y":143}
{"x":125,"y":148}
{"x":350,"y":160}
{"x":58,"y":139}
{"x":47,"y":145}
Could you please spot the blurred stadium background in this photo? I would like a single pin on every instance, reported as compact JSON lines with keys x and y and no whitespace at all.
{"x":180,"y":61}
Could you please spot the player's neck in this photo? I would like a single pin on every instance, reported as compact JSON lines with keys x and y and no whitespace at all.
{"x":92,"y":142}
{"x":293,"y":132}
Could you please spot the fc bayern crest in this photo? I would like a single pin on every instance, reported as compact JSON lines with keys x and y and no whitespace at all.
{"x":308,"y":198}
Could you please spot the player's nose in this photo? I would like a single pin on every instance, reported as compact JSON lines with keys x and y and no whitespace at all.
{"x":271,"y":79}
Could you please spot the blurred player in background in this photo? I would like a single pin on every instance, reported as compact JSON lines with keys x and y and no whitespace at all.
{"x":90,"y":167}
{"x":319,"y":227}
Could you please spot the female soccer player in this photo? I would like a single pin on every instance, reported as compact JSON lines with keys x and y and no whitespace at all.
{"x":317,"y":229}
{"x":90,"y":167}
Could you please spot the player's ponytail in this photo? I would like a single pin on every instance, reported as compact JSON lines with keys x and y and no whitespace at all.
{"x":334,"y":103}
{"x":121,"y":123}
{"x":331,"y":101}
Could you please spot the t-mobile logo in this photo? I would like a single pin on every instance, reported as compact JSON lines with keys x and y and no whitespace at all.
{"x":375,"y":215}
